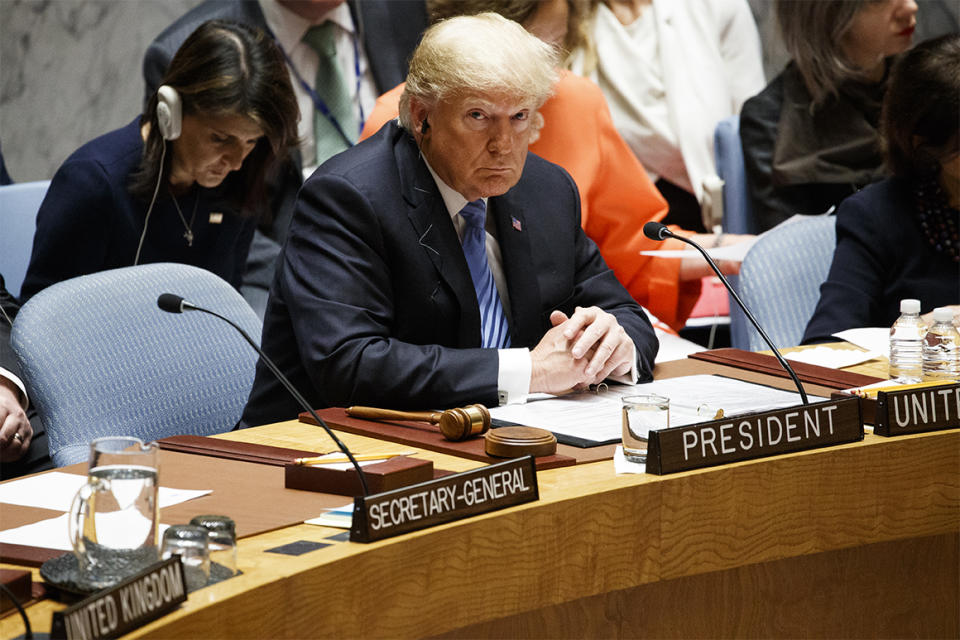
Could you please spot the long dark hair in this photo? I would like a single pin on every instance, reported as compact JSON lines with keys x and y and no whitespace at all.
{"x":226,"y":68}
{"x":813,"y":32}
{"x":920,"y":123}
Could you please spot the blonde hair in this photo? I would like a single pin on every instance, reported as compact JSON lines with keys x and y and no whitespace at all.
{"x":484,"y":53}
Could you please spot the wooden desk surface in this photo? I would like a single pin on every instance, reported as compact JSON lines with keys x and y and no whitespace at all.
{"x":854,"y":540}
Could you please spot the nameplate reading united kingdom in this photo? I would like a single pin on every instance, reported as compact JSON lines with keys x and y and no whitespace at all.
{"x":754,"y":435}
{"x":446,"y":499}
{"x":120,"y":609}
{"x":917,"y":410}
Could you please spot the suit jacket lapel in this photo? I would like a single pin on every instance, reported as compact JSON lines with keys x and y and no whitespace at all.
{"x":437,"y":235}
{"x":519,"y":270}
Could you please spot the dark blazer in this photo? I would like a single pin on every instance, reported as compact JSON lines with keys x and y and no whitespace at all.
{"x":824,"y":157}
{"x":89,"y":221}
{"x":37,"y":457}
{"x":390,"y":31}
{"x":882,"y":257}
{"x":373,"y":302}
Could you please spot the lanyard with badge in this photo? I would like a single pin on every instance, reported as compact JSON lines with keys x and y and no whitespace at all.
{"x":318,"y":102}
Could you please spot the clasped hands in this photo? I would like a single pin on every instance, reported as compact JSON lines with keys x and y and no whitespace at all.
{"x":580,"y":350}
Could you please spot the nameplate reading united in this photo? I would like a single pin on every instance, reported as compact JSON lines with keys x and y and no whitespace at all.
{"x":917,"y":410}
{"x":446,"y":499}
{"x":113,"y":612}
{"x":754,"y":435}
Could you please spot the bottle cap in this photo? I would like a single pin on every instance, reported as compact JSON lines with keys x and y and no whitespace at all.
{"x":943,"y":314}
{"x":909,"y":305}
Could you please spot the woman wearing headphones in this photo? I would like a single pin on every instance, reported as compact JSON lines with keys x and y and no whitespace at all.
{"x":185,"y":181}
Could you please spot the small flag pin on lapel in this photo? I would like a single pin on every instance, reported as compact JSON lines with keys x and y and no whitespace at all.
{"x":516,"y":224}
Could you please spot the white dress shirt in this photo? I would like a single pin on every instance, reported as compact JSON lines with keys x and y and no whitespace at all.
{"x":8,"y":376}
{"x":515,"y":366}
{"x":289,"y":29}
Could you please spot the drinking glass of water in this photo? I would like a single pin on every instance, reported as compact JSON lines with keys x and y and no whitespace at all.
{"x":113,"y":518}
{"x":191,"y":543}
{"x":223,"y":542}
{"x":641,"y":414}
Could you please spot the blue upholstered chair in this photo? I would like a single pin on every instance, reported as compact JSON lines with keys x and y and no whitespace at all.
{"x":19,"y":204}
{"x":738,"y":216}
{"x":99,"y":358}
{"x":780,"y":279}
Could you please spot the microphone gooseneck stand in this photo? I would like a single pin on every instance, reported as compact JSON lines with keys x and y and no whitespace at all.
{"x":172,"y":303}
{"x":659,"y":232}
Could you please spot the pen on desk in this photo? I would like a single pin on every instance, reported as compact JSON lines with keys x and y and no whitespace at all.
{"x":703,"y":410}
{"x":872,"y":393}
{"x":359,"y":458}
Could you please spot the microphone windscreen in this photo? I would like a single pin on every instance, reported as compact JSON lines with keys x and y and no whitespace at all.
{"x":655,"y":230}
{"x":171,"y":303}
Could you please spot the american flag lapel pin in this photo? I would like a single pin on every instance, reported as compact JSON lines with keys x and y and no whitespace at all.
{"x":516,"y":224}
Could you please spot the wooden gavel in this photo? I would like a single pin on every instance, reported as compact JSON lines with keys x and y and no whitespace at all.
{"x":455,"y":424}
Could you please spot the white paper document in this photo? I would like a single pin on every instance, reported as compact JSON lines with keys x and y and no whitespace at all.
{"x":596,"y":417}
{"x":831,"y":357}
{"x":340,"y":517}
{"x":734,"y":252}
{"x":871,"y":338}
{"x":622,"y":465}
{"x":55,"y":491}
{"x":51,"y":533}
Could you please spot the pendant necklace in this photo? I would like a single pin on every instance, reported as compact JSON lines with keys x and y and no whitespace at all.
{"x":188,"y":233}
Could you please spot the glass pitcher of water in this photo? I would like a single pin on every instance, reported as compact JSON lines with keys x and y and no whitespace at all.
{"x":114,"y":516}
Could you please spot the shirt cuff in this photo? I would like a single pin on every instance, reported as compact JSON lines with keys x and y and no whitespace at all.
{"x":7,"y":375}
{"x":513,"y":376}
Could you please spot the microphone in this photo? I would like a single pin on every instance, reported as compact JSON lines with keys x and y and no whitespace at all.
{"x":172,"y":303}
{"x":658,"y":232}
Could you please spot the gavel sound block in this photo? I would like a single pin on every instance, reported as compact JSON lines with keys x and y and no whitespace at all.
{"x":460,"y":424}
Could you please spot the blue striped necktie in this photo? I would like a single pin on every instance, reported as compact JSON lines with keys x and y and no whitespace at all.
{"x":493,"y":322}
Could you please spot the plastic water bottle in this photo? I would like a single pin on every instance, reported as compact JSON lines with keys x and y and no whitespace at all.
{"x":906,"y":343}
{"x":941,"y":348}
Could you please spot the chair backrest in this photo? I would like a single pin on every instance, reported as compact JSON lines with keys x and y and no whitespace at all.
{"x":19,"y":204}
{"x":738,"y":216}
{"x":99,"y":358}
{"x":780,"y":279}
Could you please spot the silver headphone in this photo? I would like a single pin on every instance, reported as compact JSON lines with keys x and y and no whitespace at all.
{"x":169,"y":121}
{"x":169,"y":112}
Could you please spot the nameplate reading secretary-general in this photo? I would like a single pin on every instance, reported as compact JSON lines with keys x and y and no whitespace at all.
{"x":379,"y":297}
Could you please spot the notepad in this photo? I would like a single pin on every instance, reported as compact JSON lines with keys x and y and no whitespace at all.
{"x":591,"y":419}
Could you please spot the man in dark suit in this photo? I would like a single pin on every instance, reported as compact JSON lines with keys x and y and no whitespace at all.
{"x":385,"y":291}
{"x":374,"y":39}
